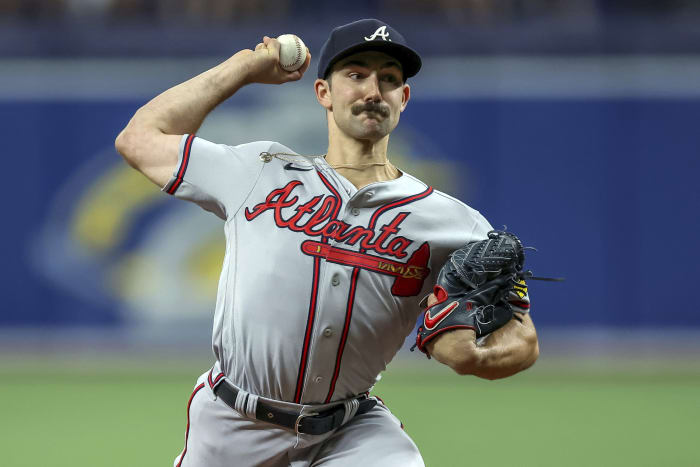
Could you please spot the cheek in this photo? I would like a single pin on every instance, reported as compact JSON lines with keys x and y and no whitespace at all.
{"x":396,"y":109}
{"x":343,"y":101}
{"x":395,"y":99}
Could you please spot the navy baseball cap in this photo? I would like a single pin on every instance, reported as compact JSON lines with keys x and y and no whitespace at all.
{"x":367,"y":34}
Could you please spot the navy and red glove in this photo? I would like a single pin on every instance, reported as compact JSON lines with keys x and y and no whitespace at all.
{"x":480,"y":287}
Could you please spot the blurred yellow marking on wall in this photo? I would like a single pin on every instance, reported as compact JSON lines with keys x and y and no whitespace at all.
{"x":135,"y":276}
{"x":204,"y":265}
{"x":103,"y":215}
{"x":438,"y":174}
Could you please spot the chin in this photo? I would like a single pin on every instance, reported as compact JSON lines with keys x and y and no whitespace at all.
{"x":374,"y":133}
{"x":370,"y":136}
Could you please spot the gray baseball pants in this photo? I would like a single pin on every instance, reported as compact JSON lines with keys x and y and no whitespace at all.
{"x":219,"y":436}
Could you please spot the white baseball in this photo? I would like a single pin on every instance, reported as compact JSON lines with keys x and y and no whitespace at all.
{"x":292,"y":52}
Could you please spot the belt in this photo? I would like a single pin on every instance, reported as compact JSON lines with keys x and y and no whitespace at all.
{"x":315,"y":423}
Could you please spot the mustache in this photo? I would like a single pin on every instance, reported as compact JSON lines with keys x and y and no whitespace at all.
{"x":381,"y":109}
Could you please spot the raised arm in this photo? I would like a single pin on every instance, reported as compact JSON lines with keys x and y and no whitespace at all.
{"x":504,"y":352}
{"x":151,"y":140}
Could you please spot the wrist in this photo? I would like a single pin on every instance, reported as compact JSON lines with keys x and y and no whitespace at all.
{"x":242,"y":64}
{"x":231,"y":75}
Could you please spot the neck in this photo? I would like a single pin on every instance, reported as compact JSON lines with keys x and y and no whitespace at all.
{"x":360,"y":161}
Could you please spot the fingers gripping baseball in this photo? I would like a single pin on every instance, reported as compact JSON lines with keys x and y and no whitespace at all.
{"x":265,"y":66}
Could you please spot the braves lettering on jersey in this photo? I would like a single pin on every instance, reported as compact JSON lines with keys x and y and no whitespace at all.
{"x":321,"y":281}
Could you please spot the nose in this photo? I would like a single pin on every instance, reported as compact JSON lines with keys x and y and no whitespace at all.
{"x":373,"y":94}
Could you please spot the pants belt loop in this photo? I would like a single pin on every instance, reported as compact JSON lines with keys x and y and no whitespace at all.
{"x":252,"y":405}
{"x":351,"y":407}
{"x":241,"y":399}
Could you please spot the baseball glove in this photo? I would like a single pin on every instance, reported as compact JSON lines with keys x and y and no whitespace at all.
{"x":479,"y":288}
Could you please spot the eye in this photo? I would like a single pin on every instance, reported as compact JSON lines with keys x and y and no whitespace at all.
{"x":354,"y":75}
{"x":390,"y":78}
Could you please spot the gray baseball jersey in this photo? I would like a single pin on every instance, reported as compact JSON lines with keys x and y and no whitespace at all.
{"x":321,"y":282}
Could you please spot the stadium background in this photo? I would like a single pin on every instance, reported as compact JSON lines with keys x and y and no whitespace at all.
{"x":573,"y":123}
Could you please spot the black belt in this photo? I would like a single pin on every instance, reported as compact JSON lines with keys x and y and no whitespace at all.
{"x":316,"y":423}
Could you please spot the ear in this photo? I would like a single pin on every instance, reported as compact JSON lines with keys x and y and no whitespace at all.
{"x":405,"y":96}
{"x":323,"y":93}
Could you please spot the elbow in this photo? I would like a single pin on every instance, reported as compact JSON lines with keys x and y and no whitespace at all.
{"x":531,"y":355}
{"x":122,"y":145}
{"x":530,"y":350}
{"x":535,"y":352}
{"x":534,"y":355}
{"x":129,"y":141}
{"x":126,"y":144}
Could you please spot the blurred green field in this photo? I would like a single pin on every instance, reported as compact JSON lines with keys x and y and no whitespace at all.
{"x":81,"y":411}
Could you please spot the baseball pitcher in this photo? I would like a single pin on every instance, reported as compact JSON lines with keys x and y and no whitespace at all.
{"x":327,"y":260}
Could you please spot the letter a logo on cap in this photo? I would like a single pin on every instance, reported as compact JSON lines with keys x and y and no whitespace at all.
{"x":380,"y":32}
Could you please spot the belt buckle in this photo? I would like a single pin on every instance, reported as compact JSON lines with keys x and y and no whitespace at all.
{"x":300,"y":417}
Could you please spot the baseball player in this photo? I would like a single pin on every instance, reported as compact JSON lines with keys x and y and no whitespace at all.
{"x":327,"y":258}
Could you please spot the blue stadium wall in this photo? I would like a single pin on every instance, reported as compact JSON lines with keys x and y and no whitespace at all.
{"x":600,"y":177}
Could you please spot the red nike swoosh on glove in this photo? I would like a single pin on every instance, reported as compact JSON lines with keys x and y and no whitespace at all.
{"x":432,"y":321}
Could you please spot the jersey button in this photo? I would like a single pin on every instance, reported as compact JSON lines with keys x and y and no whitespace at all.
{"x":318,"y":379}
{"x":355,"y":212}
{"x":335,"y":280}
{"x":328,"y":332}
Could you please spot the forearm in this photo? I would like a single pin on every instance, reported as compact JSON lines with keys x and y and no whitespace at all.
{"x":182,"y":108}
{"x":151,"y":141}
{"x":506,"y":351}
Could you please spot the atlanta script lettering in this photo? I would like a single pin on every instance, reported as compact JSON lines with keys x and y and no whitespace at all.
{"x":318,"y":217}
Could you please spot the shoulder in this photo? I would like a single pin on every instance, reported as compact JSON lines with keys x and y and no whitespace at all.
{"x":452,"y":211}
{"x":257,"y":147}
{"x":466,"y":219}
{"x":248,"y":153}
{"x":450,"y":206}
{"x":461,"y":210}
